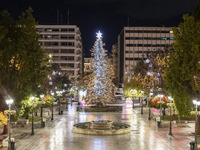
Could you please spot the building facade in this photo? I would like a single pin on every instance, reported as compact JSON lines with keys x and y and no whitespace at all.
{"x":87,"y":65}
{"x":135,"y":42}
{"x":64,"y":42}
{"x":114,"y":62}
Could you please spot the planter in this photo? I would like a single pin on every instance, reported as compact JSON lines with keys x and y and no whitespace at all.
{"x":99,"y":109}
{"x":156,"y":112}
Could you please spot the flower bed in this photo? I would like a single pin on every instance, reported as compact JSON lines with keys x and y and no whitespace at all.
{"x":156,"y":102}
{"x":99,"y":108}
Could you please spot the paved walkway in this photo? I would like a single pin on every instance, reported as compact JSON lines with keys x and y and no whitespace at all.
{"x":58,"y":135}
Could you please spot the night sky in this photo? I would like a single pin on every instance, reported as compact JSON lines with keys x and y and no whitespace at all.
{"x":108,"y":16}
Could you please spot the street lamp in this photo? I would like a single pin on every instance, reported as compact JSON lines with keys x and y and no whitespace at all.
{"x":142,"y":103}
{"x":52,"y":107}
{"x":41,"y":114}
{"x":32,"y":133}
{"x":133,"y":92}
{"x":9,"y":102}
{"x":59,"y":93}
{"x":160,"y":96}
{"x":71,"y":90}
{"x":170,"y":123}
{"x":196,"y":103}
{"x":150,"y":106}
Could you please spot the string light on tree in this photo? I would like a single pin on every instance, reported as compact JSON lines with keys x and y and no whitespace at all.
{"x":99,"y":84}
{"x":99,"y":35}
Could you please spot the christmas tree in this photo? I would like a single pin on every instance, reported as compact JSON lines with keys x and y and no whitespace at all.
{"x":99,"y":85}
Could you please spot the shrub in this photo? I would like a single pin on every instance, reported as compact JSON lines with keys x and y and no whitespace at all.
{"x":155,"y":102}
{"x":3,"y":119}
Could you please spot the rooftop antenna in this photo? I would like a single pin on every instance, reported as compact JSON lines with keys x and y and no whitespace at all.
{"x":57,"y":16}
{"x":128,"y":21}
{"x":68,"y":17}
{"x":61,"y":18}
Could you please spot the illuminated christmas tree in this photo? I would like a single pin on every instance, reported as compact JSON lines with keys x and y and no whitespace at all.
{"x":99,"y":85}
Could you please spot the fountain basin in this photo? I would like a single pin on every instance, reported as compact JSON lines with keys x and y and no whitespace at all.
{"x":102,"y":127}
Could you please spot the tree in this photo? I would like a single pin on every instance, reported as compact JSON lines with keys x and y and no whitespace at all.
{"x":99,"y":85}
{"x":196,"y":12}
{"x":183,"y":64}
{"x":23,"y":63}
{"x":133,"y":86}
{"x":149,"y":73}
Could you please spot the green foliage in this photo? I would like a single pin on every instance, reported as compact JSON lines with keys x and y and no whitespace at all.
{"x":27,"y":105}
{"x":22,"y":61}
{"x":99,"y":104}
{"x":183,"y":65}
{"x":132,"y":88}
{"x":101,"y":109}
{"x":35,"y":118}
{"x":196,"y":12}
{"x":48,"y":100}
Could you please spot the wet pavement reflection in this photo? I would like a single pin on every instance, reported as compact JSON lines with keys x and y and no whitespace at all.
{"x":58,"y":135}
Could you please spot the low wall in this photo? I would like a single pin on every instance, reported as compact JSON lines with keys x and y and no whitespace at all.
{"x":101,"y":132}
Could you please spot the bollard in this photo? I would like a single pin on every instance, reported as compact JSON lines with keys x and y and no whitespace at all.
{"x":192,"y":144}
{"x":12,"y":144}
{"x":43,"y":124}
{"x":159,"y":124}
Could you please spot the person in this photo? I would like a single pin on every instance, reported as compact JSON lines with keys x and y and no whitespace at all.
{"x":145,"y":100}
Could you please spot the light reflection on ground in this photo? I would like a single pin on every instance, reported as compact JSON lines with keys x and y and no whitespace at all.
{"x":145,"y":135}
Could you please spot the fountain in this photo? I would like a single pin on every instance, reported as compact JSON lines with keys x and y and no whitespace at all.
{"x":101,"y":127}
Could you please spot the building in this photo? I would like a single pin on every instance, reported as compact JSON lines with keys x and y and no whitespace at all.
{"x":114,"y":58}
{"x":64,"y":42}
{"x":87,"y":65}
{"x":135,"y":42}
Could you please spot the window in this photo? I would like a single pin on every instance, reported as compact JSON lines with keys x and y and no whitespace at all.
{"x":67,"y":43}
{"x":67,"y":57}
{"x":147,"y":38}
{"x":67,"y":50}
{"x":55,"y":30}
{"x":55,"y":57}
{"x":69,"y":37}
{"x":133,"y":58}
{"x":146,"y":31}
{"x":67,"y":30}
{"x":54,"y":43}
{"x":48,"y":30}
{"x":55,"y":51}
{"x":145,"y":45}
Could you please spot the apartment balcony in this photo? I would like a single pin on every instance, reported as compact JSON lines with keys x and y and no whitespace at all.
{"x":64,"y":54}
{"x":56,"y":40}
{"x":57,"y":47}
{"x":64,"y":61}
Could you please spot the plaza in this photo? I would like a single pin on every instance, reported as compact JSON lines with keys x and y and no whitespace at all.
{"x":145,"y":135}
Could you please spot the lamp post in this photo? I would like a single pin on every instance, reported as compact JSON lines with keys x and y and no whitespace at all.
{"x":32,"y":132}
{"x":71,"y":90}
{"x":41,"y":114}
{"x":52,"y":107}
{"x":132,"y":92}
{"x":9,"y":102}
{"x":142,"y":103}
{"x":150,"y":106}
{"x":196,"y":103}
{"x":170,"y":123}
{"x":160,"y":96}
{"x":59,"y":93}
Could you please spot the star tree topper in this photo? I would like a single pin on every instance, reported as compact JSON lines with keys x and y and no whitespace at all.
{"x":99,"y":35}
